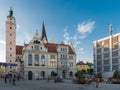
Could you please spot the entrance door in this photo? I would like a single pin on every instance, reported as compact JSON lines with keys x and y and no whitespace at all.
{"x":64,"y":74}
{"x":43,"y":74}
{"x":30,"y":75}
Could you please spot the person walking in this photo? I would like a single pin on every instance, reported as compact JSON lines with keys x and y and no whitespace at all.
{"x":97,"y":81}
{"x":10,"y":79}
{"x":5,"y":78}
{"x":14,"y":80}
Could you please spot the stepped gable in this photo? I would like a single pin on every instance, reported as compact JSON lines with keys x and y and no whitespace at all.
{"x":19,"y":49}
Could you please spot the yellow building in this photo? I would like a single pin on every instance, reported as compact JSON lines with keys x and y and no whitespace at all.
{"x":82,"y":66}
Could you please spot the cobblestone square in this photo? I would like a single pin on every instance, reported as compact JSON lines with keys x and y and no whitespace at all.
{"x":44,"y":85}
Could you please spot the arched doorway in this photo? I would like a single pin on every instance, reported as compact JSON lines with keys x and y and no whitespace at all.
{"x":52,"y":73}
{"x":71,"y":74}
{"x":64,"y":74}
{"x":43,"y":74}
{"x":30,"y":75}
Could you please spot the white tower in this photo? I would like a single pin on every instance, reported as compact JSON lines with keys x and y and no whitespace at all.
{"x":10,"y":38}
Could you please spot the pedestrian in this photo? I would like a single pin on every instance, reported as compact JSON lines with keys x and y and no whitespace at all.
{"x":48,"y":79}
{"x":14,"y":81}
{"x":97,"y":81}
{"x":87,"y":81}
{"x":10,"y":78}
{"x":5,"y":78}
{"x":18,"y":77}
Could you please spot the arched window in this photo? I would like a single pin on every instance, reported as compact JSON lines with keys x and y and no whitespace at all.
{"x":30,"y":75}
{"x":52,"y":73}
{"x":71,"y":74}
{"x":30,"y":60}
{"x":43,"y":74}
{"x":36,"y":60}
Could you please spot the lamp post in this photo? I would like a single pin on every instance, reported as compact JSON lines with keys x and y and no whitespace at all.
{"x":57,"y":64}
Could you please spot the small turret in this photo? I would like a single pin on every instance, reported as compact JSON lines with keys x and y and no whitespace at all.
{"x":10,"y":12}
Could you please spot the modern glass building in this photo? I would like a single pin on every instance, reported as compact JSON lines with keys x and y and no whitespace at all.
{"x":106,"y":52}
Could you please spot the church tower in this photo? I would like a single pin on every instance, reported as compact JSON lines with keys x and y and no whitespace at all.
{"x":43,"y":35}
{"x":10,"y":37}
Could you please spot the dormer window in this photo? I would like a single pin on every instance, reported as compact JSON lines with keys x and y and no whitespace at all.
{"x":63,"y":49}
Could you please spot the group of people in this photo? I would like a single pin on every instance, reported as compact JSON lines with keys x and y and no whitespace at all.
{"x":11,"y":78}
{"x":95,"y":79}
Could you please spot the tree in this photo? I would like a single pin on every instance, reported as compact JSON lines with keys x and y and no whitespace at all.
{"x":116,"y":74}
{"x":80,"y":74}
{"x":90,"y":71}
{"x":89,"y":64}
{"x":99,"y":75}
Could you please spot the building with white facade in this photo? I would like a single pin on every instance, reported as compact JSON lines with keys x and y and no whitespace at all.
{"x":107,"y":54}
{"x":39,"y":58}
{"x":43,"y":59}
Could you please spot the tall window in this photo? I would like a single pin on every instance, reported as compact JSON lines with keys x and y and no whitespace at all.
{"x":63,"y":56}
{"x":52,"y":56}
{"x":30,"y":60}
{"x":36,"y":60}
{"x":42,"y":60}
{"x":71,"y":57}
{"x":71,"y":64}
{"x":36,"y":47}
{"x":52,"y":63}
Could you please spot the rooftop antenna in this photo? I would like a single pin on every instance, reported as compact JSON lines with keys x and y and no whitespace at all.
{"x":110,"y":27}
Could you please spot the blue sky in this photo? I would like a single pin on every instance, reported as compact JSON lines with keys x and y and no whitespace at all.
{"x":77,"y":21}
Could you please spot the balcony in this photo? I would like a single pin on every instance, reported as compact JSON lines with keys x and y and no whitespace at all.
{"x":64,"y":67}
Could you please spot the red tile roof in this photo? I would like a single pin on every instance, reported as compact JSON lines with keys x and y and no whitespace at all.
{"x":52,"y":47}
{"x":81,"y":63}
{"x":19,"y":49}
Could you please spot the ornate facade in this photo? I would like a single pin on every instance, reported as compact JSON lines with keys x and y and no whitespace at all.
{"x":42,"y":59}
{"x":39,"y":58}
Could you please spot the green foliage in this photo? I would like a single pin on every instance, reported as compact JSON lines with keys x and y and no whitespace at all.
{"x":116,"y":74}
{"x":90,"y":71}
{"x":80,"y":74}
{"x":99,"y":75}
{"x":89,"y":64}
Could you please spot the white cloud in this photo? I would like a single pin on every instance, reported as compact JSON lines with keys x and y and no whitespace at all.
{"x":81,"y":49}
{"x":2,"y":25}
{"x":83,"y":29}
{"x":18,"y":27}
{"x":66,"y":36}
{"x":2,"y":42}
{"x":2,"y":52}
